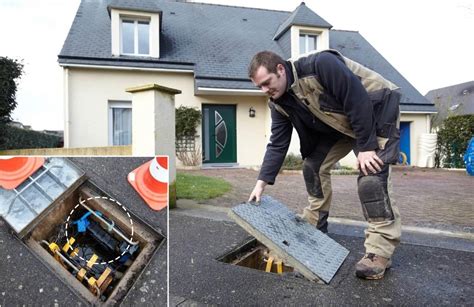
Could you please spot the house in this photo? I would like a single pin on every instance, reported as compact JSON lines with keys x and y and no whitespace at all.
{"x":204,"y":51}
{"x":452,"y":100}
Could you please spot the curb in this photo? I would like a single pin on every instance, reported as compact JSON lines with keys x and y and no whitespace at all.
{"x":413,"y":229}
{"x":191,"y":204}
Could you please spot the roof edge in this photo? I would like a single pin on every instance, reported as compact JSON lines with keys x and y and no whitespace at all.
{"x":118,"y":7}
{"x":69,"y":57}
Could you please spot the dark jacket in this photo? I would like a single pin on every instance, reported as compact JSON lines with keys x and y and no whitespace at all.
{"x":330,"y":96}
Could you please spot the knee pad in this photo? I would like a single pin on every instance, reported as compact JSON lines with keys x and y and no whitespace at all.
{"x":312,"y":181}
{"x":374,"y":199}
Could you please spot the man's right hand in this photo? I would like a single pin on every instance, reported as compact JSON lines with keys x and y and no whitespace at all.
{"x":257,"y":191}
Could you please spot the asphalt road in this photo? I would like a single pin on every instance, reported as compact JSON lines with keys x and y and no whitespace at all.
{"x":420,"y":275}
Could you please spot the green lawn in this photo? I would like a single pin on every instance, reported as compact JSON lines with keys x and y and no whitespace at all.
{"x":200,"y":187}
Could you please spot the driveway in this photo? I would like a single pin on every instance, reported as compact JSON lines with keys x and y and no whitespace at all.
{"x":433,"y":198}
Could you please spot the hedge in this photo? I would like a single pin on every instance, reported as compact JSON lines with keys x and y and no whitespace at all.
{"x":16,"y":138}
{"x":453,"y":138}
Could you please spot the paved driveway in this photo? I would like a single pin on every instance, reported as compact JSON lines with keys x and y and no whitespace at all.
{"x":426,"y":197}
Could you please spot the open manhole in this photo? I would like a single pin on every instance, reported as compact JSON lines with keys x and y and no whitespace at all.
{"x":289,"y":239}
{"x":251,"y":253}
{"x":91,"y":241}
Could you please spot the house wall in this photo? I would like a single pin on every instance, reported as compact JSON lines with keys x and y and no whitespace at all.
{"x":90,"y":90}
{"x":251,"y":131}
{"x":419,"y":124}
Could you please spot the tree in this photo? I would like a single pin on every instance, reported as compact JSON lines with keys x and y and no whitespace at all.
{"x":10,"y":71}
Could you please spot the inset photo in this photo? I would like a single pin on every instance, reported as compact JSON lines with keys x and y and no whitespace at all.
{"x":90,"y":231}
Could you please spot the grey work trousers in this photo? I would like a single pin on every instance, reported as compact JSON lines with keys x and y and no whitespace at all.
{"x":375,"y":193}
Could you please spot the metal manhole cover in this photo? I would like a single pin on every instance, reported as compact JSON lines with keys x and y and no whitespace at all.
{"x":300,"y":244}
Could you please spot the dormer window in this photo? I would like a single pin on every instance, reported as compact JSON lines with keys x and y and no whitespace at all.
{"x":308,"y":39}
{"x":135,"y":33}
{"x":308,"y":42}
{"x":135,"y":37}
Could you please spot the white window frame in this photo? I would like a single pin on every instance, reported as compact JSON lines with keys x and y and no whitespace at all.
{"x":306,"y":37}
{"x":322,"y":39}
{"x":135,"y":21}
{"x":116,"y":16}
{"x":114,"y":104}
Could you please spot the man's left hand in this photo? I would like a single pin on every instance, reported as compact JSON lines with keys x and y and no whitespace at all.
{"x":369,"y":161}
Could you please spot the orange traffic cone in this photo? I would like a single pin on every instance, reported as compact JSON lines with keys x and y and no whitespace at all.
{"x":150,"y":180}
{"x":13,"y":171}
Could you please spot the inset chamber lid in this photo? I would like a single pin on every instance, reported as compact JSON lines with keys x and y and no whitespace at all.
{"x":15,"y":170}
{"x":22,"y":205}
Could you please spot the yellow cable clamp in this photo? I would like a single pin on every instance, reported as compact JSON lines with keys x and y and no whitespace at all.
{"x":92,"y":261}
{"x":81,"y":274}
{"x":53,"y":247}
{"x":279,"y":267}
{"x":68,"y":244}
{"x":75,"y":252}
{"x":93,"y":285}
{"x":269,"y":264}
{"x":104,"y":275}
{"x":91,"y":281}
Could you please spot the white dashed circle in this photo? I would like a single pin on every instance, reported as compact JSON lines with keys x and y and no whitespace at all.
{"x":112,"y":200}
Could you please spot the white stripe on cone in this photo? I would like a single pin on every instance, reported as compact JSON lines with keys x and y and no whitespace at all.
{"x":158,"y":172}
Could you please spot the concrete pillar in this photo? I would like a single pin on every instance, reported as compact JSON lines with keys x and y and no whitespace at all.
{"x":153,"y":123}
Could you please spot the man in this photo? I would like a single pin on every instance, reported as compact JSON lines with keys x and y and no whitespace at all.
{"x":336,"y":105}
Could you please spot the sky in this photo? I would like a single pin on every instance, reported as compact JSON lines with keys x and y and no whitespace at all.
{"x":428,"y":42}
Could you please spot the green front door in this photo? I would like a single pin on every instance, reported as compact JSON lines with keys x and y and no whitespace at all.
{"x":219,"y":133}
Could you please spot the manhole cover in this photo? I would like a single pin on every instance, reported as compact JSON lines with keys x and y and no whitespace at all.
{"x":297,"y":243}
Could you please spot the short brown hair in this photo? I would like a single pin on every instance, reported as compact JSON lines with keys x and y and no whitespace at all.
{"x":267,"y":59}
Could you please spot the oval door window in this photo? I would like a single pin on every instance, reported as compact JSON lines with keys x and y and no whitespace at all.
{"x":221,"y":133}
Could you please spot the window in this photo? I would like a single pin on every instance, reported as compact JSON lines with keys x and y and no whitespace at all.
{"x":135,"y":33}
{"x":120,"y":123}
{"x":308,"y":43}
{"x":135,"y":37}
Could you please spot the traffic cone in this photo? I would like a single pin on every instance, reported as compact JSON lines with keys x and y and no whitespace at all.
{"x":151,"y":181}
{"x":13,"y":171}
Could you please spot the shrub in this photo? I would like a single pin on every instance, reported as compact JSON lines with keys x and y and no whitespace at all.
{"x":453,"y":138}
{"x":17,"y":138}
{"x":187,"y":120}
{"x":292,"y":162}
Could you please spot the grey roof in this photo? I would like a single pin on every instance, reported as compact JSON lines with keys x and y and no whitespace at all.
{"x":147,"y":6}
{"x":302,"y":16}
{"x":452,"y":100}
{"x":459,"y":94}
{"x":217,"y":42}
